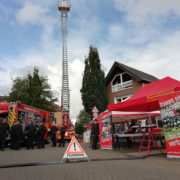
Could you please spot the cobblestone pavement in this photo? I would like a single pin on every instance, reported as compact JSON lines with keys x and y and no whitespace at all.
{"x":151,"y":168}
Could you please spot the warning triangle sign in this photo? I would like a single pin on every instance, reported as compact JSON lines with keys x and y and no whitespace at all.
{"x":74,"y":152}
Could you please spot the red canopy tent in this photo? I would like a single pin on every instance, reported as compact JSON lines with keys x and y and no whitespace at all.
{"x":146,"y":99}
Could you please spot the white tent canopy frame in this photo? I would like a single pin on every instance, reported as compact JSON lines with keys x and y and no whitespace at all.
{"x":121,"y":116}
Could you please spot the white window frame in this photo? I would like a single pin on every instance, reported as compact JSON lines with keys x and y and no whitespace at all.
{"x":122,"y":85}
{"x":121,"y":97}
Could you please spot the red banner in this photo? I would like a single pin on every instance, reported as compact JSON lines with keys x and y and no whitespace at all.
{"x":105,"y":127}
{"x":170,"y":114}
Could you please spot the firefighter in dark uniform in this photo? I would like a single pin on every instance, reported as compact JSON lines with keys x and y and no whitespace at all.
{"x":18,"y":134}
{"x":7,"y":127}
{"x":54,"y":129}
{"x":30,"y":131}
{"x":12,"y":135}
{"x":2,"y":134}
{"x":63,"y":130}
{"x":95,"y":134}
{"x":41,"y":133}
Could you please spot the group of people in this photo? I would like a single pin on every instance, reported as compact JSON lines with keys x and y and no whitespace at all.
{"x":31,"y":136}
{"x":122,"y":130}
{"x":35,"y":135}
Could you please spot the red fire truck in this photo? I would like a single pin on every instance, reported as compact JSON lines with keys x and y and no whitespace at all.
{"x":4,"y":109}
{"x":24,"y":113}
{"x":69,"y":128}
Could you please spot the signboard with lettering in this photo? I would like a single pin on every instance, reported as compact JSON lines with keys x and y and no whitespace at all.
{"x":95,"y":112}
{"x":170,"y":114}
{"x":74,"y":152}
{"x":105,"y":124}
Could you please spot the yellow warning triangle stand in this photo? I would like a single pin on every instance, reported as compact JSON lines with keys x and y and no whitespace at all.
{"x":74,"y":152}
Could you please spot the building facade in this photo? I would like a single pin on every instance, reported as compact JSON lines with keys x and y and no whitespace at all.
{"x":57,"y":114}
{"x":123,"y":81}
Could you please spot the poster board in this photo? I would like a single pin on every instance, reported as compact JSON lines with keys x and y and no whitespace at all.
{"x":87,"y":136}
{"x":105,"y":126}
{"x":170,"y":114}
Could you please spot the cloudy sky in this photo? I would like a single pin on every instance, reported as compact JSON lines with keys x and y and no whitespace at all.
{"x":144,"y":34}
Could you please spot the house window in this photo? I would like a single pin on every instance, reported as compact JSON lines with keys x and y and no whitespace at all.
{"x":119,"y":99}
{"x":117,"y":80}
{"x":121,"y":82}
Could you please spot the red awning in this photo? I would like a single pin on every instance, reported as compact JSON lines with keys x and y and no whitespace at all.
{"x":146,"y":99}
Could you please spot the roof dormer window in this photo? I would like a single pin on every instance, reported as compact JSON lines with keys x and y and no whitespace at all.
{"x":121,"y":81}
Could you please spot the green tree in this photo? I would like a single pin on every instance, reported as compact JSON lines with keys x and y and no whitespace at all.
{"x":83,"y":117}
{"x":93,"y":91}
{"x":33,"y":90}
{"x":79,"y":128}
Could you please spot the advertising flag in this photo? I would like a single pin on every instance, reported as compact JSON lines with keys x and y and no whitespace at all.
{"x":105,"y":124}
{"x":170,"y":114}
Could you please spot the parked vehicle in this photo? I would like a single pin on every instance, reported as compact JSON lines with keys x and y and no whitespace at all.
{"x":24,"y":113}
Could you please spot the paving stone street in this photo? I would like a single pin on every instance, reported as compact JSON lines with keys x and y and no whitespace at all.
{"x":105,"y":165}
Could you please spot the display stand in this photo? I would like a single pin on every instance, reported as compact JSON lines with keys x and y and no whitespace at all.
{"x":147,"y":139}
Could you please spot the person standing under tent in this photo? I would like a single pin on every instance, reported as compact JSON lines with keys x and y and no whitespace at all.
{"x":130,"y":130}
{"x":119,"y":140}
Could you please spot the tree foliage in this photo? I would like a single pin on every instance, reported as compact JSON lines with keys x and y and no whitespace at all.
{"x":93,"y":91}
{"x":79,"y":128}
{"x":84,"y":117}
{"x":33,"y":90}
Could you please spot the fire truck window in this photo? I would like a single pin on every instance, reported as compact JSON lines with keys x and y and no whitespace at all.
{"x":37,"y":119}
{"x":52,"y":118}
{"x":21,"y":115}
{"x":44,"y":118}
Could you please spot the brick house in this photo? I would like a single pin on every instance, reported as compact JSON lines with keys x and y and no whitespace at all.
{"x":123,"y":81}
{"x":57,"y":114}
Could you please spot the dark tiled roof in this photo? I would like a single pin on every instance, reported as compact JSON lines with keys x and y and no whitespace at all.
{"x":139,"y":75}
